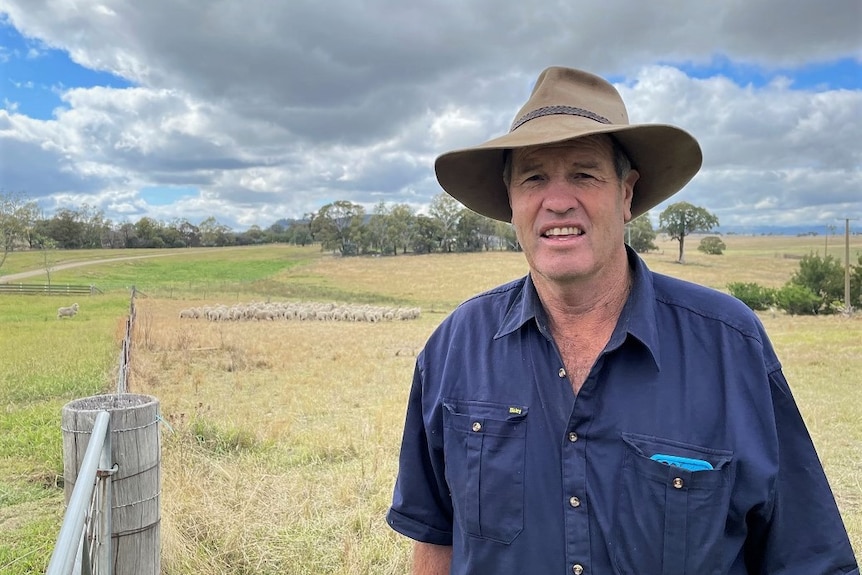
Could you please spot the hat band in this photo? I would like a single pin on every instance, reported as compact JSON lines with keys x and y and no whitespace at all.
{"x":556,"y":110}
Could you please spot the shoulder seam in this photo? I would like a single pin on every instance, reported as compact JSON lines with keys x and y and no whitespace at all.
{"x":705,"y":314}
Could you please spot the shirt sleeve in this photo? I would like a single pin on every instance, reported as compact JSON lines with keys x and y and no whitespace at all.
{"x":803,"y":532}
{"x":421,"y":504}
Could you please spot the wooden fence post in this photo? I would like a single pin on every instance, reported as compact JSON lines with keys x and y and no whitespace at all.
{"x":136,"y":484}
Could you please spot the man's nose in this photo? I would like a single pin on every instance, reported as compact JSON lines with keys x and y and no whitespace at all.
{"x":560,"y":196}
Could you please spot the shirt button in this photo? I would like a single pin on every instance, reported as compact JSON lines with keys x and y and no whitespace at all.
{"x":562,"y":372}
{"x":577,"y":569}
{"x":574,"y":502}
{"x":477,"y":426}
{"x":678,"y":483}
{"x":573,"y":437}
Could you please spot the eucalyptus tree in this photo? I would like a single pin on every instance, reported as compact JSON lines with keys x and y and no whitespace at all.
{"x":66,"y":229}
{"x":682,"y":219}
{"x":447,"y":211}
{"x":339,"y":227}
{"x":214,"y":233}
{"x":189,"y":233}
{"x":391,"y":227}
{"x":148,"y":229}
{"x":17,"y":219}
{"x":640,"y":235}
{"x":94,"y":226}
{"x":428,"y":235}
{"x":402,"y":226}
{"x":378,"y":229}
{"x":469,"y":236}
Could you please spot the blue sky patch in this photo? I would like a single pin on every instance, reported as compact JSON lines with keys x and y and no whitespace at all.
{"x":165,"y":195}
{"x":845,"y":73}
{"x":32,"y":75}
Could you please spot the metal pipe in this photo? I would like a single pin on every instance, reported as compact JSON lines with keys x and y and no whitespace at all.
{"x":69,"y":539}
{"x":105,"y":474}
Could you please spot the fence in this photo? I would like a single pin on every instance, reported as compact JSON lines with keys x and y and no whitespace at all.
{"x":112,"y":477}
{"x":48,"y":289}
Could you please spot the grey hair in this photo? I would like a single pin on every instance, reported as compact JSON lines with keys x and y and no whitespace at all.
{"x":622,"y":163}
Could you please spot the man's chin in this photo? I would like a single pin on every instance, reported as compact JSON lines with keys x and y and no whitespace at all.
{"x":563,"y":274}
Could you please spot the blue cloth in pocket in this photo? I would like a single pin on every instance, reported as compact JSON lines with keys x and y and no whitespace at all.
{"x":670,"y":520}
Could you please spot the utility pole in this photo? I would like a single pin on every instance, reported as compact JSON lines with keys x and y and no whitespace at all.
{"x":847,"y":306}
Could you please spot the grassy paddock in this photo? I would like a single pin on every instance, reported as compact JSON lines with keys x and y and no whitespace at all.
{"x":283,"y":436}
{"x":44,"y":363}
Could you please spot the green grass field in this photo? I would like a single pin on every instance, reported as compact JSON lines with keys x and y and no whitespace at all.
{"x":281,"y":445}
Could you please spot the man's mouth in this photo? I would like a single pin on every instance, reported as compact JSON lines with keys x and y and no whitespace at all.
{"x":560,"y":232}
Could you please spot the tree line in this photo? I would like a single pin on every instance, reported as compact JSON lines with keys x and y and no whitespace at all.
{"x":342,"y":227}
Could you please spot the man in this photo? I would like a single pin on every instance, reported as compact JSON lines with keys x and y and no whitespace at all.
{"x":594,"y":417}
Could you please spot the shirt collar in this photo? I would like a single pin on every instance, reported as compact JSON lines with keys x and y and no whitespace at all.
{"x":638,"y":318}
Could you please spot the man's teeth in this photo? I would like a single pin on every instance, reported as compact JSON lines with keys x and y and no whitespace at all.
{"x":564,"y":232}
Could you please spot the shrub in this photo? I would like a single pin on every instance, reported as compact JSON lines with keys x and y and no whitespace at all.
{"x":856,"y":283}
{"x":712,"y":245}
{"x":753,"y":295}
{"x":798,"y":300}
{"x":824,"y":276}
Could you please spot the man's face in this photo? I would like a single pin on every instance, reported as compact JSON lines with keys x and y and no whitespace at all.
{"x":569,"y":208}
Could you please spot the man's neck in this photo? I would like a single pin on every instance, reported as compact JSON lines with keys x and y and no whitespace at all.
{"x":582,"y":319}
{"x":587,"y":304}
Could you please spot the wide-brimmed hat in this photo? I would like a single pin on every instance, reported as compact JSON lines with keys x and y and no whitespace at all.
{"x":567,"y":104}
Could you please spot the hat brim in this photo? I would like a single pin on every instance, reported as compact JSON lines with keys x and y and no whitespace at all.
{"x":666,"y":157}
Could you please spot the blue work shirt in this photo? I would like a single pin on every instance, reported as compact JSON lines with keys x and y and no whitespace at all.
{"x":502,"y":461}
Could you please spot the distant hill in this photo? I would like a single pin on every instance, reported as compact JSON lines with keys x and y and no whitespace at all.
{"x":811,"y":230}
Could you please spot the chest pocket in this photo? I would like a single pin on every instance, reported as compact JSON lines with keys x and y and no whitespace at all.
{"x":669,"y":520}
{"x":484,"y":446}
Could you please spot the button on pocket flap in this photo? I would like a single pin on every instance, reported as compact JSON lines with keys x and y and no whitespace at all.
{"x":644,"y":447}
{"x":485,"y":417}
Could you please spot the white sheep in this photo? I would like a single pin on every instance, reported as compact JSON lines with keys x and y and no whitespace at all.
{"x":269,"y":311}
{"x":67,"y":311}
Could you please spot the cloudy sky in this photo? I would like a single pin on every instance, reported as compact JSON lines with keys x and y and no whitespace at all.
{"x":255,"y":110}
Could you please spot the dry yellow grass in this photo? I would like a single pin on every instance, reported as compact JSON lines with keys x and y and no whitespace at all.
{"x":284,"y":435}
{"x":282,"y":454}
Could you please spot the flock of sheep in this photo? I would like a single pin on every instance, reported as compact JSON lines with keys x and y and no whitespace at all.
{"x":67,"y":311}
{"x":299,"y":311}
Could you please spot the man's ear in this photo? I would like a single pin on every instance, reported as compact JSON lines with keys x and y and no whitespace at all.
{"x":628,"y":186}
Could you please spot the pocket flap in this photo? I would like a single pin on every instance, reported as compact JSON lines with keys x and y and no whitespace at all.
{"x":485,"y":417}
{"x":648,"y":445}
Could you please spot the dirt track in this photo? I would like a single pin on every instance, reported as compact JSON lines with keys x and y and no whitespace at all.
{"x":58,"y":267}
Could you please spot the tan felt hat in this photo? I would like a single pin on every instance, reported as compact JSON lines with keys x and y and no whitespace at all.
{"x":567,"y":104}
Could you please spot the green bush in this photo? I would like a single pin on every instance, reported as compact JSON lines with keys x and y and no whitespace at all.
{"x":712,"y":245}
{"x":753,"y":295}
{"x":798,"y":300}
{"x":824,"y":276}
{"x":856,"y":283}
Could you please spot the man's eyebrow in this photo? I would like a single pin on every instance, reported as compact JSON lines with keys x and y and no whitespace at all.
{"x":586,"y":165}
{"x":529,"y":166}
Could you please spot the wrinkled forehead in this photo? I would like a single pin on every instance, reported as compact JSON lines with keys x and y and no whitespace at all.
{"x":595,"y":147}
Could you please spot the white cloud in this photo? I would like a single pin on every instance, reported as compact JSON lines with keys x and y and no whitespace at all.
{"x":271,"y":109}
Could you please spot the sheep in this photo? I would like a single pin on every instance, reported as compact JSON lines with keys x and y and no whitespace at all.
{"x":67,"y":311}
{"x":269,"y":311}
